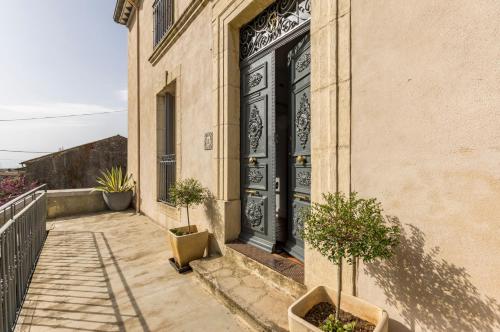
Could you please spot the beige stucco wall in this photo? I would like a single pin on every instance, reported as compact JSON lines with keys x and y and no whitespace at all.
{"x":426,"y":142}
{"x":418,"y":130}
{"x":132,"y":145}
{"x":180,"y":68}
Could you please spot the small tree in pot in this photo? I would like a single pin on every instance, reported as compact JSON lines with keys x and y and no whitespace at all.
{"x":186,"y":193}
{"x":116,"y":187}
{"x":187,"y":243}
{"x":348,"y":228}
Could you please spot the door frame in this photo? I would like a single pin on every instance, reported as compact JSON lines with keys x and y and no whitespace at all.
{"x":330,"y":112}
{"x":268,"y":244}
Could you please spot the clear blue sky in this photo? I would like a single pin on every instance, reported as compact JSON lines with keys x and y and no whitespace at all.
{"x":60,"y":57}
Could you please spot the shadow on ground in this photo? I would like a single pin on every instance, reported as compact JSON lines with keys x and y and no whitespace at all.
{"x":71,"y":287}
{"x":431,"y":292}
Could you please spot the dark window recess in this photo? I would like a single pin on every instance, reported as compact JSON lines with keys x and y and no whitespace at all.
{"x":163,"y":13}
{"x":167,"y":161}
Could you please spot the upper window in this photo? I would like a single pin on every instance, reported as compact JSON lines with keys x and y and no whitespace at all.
{"x":163,"y":12}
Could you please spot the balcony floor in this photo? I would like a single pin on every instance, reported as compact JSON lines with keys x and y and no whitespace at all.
{"x":110,"y":272}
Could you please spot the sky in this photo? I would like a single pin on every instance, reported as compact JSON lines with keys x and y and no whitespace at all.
{"x":60,"y":57}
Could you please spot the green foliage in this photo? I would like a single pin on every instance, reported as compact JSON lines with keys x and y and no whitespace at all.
{"x":177,"y":232}
{"x":187,"y":192}
{"x":333,"y":325}
{"x":349,"y":228}
{"x":114,"y":181}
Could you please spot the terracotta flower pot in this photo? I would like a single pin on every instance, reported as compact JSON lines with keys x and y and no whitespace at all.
{"x":351,"y":304}
{"x":187,"y":248}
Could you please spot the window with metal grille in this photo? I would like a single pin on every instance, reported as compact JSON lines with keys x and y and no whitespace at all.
{"x":163,"y":13}
{"x":166,"y":167}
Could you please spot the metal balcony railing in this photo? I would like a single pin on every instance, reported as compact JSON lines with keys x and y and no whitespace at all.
{"x":166,"y":177}
{"x":163,"y":15}
{"x":22,"y":235}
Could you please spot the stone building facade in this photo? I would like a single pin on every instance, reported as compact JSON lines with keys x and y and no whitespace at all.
{"x":401,"y":103}
{"x":78,"y":167}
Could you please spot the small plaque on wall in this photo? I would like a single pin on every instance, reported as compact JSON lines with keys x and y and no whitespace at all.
{"x":209,"y":141}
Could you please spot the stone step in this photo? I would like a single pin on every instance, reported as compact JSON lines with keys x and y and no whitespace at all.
{"x":262,"y":305}
{"x":270,"y":275}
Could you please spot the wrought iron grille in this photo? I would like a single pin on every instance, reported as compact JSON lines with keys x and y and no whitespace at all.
{"x":272,"y":24}
{"x":166,"y":177}
{"x":22,"y":236}
{"x":163,"y":15}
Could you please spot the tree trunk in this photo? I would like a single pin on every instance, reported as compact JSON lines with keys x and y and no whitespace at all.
{"x":189,"y":225}
{"x":339,"y":289}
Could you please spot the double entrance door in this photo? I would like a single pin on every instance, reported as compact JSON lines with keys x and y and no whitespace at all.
{"x":275,"y":147}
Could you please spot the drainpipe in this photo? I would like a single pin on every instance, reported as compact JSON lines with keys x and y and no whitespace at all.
{"x":136,"y":5}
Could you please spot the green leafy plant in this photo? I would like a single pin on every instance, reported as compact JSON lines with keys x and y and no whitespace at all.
{"x":348,"y":228}
{"x":186,"y":193}
{"x":114,"y":181}
{"x":334,"y":325}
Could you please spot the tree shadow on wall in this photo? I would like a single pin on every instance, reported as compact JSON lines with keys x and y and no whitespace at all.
{"x":430,"y":292}
{"x":215,"y":222}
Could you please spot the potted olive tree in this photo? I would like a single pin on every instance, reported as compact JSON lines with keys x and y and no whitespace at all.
{"x":343,"y":229}
{"x":187,"y":242}
{"x":116,"y":188}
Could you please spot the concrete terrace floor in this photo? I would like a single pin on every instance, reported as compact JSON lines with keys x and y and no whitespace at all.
{"x":110,"y":272}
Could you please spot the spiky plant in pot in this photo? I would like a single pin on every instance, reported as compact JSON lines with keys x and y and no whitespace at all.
{"x":116,"y":187}
{"x":114,"y":180}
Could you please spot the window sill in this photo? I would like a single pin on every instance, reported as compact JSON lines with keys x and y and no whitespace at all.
{"x":169,"y":210}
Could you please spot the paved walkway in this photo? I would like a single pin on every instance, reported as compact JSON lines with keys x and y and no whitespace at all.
{"x":110,"y":272}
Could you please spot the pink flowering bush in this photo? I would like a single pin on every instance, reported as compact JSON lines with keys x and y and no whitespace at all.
{"x":13,"y":186}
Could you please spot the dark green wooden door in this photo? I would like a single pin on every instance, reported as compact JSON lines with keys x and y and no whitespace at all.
{"x":299,"y":191}
{"x":258,"y":153}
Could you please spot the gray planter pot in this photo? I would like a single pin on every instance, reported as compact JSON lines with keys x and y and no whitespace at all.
{"x":118,"y":201}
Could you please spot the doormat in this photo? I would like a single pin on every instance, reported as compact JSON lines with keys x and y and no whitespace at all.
{"x":284,"y":264}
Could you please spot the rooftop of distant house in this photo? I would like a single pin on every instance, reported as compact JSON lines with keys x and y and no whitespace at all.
{"x":73,"y":148}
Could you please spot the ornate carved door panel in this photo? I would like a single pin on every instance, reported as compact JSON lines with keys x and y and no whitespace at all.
{"x":257,"y":153}
{"x":299,"y":191}
{"x":260,"y":40}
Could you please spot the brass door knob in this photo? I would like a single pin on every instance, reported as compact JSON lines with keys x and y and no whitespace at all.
{"x":300,"y":159}
{"x":252,"y":160}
